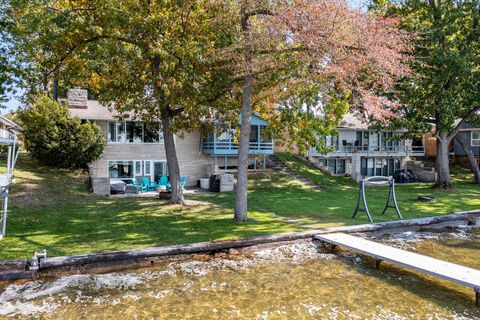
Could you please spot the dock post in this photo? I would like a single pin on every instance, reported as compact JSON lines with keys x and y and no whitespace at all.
{"x":377,"y":263}
{"x":477,"y":297}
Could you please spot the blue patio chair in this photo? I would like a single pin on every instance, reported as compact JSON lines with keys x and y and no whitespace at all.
{"x":183,"y":181}
{"x":139,"y":187}
{"x":149,"y":185}
{"x":163,"y":182}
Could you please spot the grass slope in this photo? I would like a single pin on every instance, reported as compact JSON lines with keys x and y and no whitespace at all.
{"x":53,"y":209}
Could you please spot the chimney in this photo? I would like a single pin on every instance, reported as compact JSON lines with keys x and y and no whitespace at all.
{"x":77,"y":98}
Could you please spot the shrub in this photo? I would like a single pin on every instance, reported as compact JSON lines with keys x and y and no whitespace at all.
{"x":56,"y":139}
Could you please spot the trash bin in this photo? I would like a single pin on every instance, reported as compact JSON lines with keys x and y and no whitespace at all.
{"x":205,"y":183}
{"x":215,"y":183}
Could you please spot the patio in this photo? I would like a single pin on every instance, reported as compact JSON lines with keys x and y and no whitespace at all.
{"x":154,"y":194}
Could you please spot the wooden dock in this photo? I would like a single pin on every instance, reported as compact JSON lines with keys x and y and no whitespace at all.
{"x":449,"y":271}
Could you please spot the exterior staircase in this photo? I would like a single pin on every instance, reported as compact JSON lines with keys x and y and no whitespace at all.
{"x":279,"y":166}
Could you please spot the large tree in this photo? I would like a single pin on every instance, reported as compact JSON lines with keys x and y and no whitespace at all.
{"x":149,"y":58}
{"x":286,"y":47}
{"x":444,"y":88}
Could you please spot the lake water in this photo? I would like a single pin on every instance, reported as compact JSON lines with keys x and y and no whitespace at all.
{"x":293,"y":281}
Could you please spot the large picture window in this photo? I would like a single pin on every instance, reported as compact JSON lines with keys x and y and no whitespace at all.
{"x":134,"y":132}
{"x":476,"y":138}
{"x":120,"y":169}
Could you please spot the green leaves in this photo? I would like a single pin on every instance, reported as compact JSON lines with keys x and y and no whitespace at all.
{"x":446,"y":82}
{"x":56,"y":139}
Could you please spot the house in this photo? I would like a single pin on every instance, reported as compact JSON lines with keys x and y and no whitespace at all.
{"x":359,"y":151}
{"x":471,"y":135}
{"x":135,"y":149}
{"x":8,"y":128}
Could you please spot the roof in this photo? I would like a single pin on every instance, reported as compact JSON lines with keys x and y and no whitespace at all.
{"x":9,"y":123}
{"x":352,"y":121}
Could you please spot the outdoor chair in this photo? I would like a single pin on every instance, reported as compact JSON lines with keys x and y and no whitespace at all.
{"x":164,"y":182}
{"x":149,"y":185}
{"x":139,"y":187}
{"x":183,"y":181}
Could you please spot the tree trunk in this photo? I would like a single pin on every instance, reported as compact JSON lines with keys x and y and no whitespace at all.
{"x":443,"y":165}
{"x":172,"y":161}
{"x":471,"y":158}
{"x":241,"y":209}
{"x":55,"y":87}
{"x":241,"y":203}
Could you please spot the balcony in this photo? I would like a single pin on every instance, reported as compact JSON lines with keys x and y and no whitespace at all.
{"x":348,"y":150}
{"x":229,"y":148}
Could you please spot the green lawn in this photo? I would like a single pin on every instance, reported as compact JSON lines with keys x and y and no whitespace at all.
{"x":53,"y":209}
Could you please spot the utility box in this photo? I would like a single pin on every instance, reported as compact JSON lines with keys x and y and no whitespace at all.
{"x":227,"y":182}
{"x":221,"y":182}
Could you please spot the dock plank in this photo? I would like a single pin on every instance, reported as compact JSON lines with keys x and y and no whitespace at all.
{"x":446,"y":270}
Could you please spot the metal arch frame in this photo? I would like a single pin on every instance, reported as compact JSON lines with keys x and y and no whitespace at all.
{"x":391,"y":196}
{"x":13,"y":151}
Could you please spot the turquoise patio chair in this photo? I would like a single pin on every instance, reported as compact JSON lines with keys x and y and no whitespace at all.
{"x":149,"y":185}
{"x":183,"y":181}
{"x":139,"y":187}
{"x":164,"y":182}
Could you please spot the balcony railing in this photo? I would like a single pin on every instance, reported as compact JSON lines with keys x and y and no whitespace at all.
{"x":231,"y":148}
{"x":410,"y":150}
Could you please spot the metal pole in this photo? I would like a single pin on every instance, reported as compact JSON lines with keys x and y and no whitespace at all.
{"x":395,"y":200}
{"x":9,"y":159}
{"x":365,"y":202}
{"x":4,"y":216}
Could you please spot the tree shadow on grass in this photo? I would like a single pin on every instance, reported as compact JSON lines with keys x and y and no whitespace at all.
{"x":124,"y":224}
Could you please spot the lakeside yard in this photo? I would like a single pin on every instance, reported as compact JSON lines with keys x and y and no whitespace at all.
{"x":53,"y":209}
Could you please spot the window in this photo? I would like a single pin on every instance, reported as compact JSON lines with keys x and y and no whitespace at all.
{"x":112,"y":132}
{"x":152,"y":133}
{"x":133,"y":132}
{"x":476,"y":138}
{"x":121,"y":133}
{"x":160,"y":169}
{"x":120,"y":169}
{"x":138,"y":168}
{"x":340,"y":166}
{"x":253,"y":133}
{"x":147,"y":168}
{"x":379,"y":166}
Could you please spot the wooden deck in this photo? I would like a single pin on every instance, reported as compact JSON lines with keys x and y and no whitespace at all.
{"x":449,"y":271}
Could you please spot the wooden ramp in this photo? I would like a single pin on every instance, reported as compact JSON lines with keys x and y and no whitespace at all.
{"x":453,"y":272}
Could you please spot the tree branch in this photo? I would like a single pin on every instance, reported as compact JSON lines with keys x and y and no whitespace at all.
{"x":258,"y":12}
{"x":462,"y":123}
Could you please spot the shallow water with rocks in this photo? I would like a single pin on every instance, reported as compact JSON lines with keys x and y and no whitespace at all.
{"x":290,"y":281}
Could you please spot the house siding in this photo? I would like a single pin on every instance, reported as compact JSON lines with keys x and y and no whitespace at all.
{"x":467,"y":136}
{"x":192,"y":161}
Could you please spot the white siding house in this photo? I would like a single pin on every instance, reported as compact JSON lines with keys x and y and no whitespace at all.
{"x":359,"y":152}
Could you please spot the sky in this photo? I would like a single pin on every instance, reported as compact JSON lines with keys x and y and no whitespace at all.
{"x":13,"y":103}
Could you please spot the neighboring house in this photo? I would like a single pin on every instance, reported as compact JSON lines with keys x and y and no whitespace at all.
{"x":135,"y":149}
{"x":361,"y":152}
{"x":471,"y":136}
{"x":8,"y":128}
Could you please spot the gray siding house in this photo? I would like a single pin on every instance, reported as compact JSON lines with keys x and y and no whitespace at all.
{"x":471,"y":136}
{"x":135,"y":149}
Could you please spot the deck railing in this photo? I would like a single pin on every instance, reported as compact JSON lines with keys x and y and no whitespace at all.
{"x":231,"y":147}
{"x":409,"y":149}
{"x":387,"y":150}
